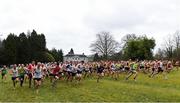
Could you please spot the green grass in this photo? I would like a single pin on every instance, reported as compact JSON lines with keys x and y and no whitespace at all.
{"x":108,"y":90}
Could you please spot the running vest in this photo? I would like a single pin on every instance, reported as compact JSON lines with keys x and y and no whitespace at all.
{"x":131,"y":65}
{"x":21,"y":71}
{"x":4,"y":71}
{"x":118,"y":66}
{"x":135,"y":66}
{"x":161,"y":64}
{"x":15,"y":73}
{"x":37,"y":73}
{"x":113,"y":67}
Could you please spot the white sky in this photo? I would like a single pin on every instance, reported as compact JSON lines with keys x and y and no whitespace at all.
{"x":74,"y":23}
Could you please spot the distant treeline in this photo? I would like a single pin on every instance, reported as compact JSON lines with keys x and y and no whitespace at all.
{"x":32,"y":47}
{"x":26,"y":48}
{"x":133,"y":46}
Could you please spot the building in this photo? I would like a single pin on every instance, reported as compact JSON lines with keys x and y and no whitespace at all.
{"x":75,"y":57}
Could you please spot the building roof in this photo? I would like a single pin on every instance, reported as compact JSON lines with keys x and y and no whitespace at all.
{"x":72,"y":55}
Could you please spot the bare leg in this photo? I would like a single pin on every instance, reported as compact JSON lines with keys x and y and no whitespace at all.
{"x":136,"y":74}
{"x":130,"y":74}
{"x":98,"y":78}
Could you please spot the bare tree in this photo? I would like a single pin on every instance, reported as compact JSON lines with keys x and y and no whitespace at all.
{"x":159,"y":54}
{"x":127,"y":38}
{"x":176,"y":40}
{"x":168,"y":50}
{"x":105,"y":44}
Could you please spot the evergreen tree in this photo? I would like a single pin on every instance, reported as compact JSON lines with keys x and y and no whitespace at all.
{"x":11,"y":49}
{"x":57,"y":54}
{"x":60,"y":53}
{"x":71,"y":51}
{"x":24,"y":52}
{"x":96,"y":57}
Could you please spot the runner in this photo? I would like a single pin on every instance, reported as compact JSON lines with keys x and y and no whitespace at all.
{"x":160,"y":69}
{"x":26,"y":73}
{"x":38,"y":77}
{"x":133,"y":68}
{"x":4,"y":72}
{"x":100,"y":70}
{"x":21,"y":72}
{"x":14,"y":74}
{"x":90,"y":70}
{"x":147,"y":66}
{"x":55,"y":75}
{"x":177,"y":65}
{"x":114,"y":71}
{"x":61,"y":73}
{"x":69,"y":72}
{"x":127,"y":66}
{"x":169,"y":66}
{"x":31,"y":68}
{"x":73,"y":71}
{"x":79,"y":73}
{"x":86,"y":70}
{"x":142,"y":67}
{"x":44,"y":73}
{"x":50,"y":68}
{"x":154,"y":67}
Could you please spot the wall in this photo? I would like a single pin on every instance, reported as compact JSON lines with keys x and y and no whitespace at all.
{"x":76,"y":58}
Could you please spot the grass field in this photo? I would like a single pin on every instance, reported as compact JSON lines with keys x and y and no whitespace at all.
{"x":108,"y":90}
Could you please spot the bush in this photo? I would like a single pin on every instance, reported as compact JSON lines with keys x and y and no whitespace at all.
{"x":48,"y":57}
{"x":43,"y":57}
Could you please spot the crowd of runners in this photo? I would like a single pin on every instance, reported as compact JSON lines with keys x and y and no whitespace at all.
{"x":36,"y":73}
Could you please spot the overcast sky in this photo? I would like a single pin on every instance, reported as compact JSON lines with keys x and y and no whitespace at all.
{"x":75,"y":23}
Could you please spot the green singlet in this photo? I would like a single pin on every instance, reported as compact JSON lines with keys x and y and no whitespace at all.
{"x":135,"y":66}
{"x":4,"y":71}
{"x":21,"y":71}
